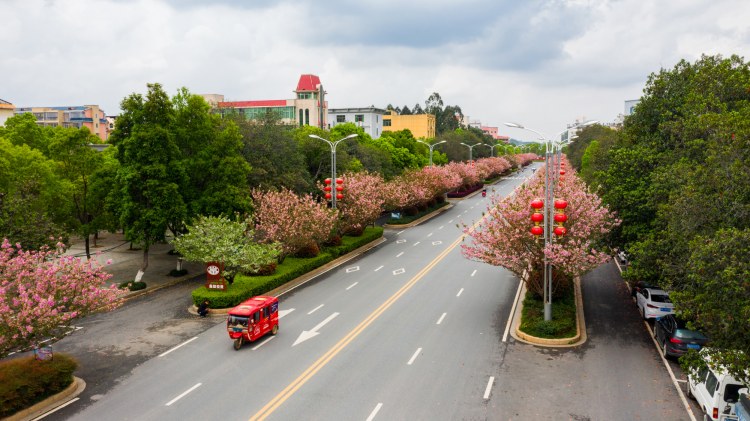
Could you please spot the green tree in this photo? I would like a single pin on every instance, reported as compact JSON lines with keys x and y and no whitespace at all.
{"x":150,"y":174}
{"x":21,"y":129}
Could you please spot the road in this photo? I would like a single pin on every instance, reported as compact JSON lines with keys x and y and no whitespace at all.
{"x":410,"y":330}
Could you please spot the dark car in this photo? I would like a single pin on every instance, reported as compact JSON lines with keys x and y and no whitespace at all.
{"x":640,"y":286}
{"x":675,"y":338}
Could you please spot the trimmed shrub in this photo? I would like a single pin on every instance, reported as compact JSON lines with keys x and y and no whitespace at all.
{"x":27,"y":381}
{"x":245,"y":286}
{"x":563,"y":323}
{"x":133,"y":285}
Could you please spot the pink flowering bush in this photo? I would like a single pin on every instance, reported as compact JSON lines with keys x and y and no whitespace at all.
{"x":503,"y":237}
{"x":43,"y":292}
{"x":299,"y":223}
{"x":364,"y":197}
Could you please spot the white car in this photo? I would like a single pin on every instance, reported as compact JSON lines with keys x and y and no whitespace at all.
{"x":653,"y":303}
{"x":716,"y":392}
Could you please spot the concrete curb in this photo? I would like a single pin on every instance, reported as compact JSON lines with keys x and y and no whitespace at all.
{"x":49,"y":404}
{"x":309,"y":276}
{"x":580,"y":337}
{"x":420,"y":220}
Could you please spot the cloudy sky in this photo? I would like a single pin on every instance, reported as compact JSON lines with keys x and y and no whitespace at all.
{"x":542,"y":63}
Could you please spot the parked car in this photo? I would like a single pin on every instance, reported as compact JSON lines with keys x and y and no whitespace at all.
{"x":638,"y":286}
{"x":716,"y":392}
{"x":653,"y":303}
{"x":675,"y":338}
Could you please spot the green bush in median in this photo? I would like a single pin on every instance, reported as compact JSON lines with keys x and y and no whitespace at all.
{"x":563,"y":323}
{"x":26,"y":381}
{"x":245,"y":286}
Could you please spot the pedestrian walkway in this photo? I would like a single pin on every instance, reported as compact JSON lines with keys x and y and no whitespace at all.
{"x":124,"y":260}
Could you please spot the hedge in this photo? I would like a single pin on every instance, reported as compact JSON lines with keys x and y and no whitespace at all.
{"x":27,"y":381}
{"x":245,"y":286}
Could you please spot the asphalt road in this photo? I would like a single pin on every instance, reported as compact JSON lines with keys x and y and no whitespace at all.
{"x":410,"y":330}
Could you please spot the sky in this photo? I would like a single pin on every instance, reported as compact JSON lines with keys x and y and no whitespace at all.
{"x":541,"y":63}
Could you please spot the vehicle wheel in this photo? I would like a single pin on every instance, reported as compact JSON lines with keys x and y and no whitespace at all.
{"x":237,"y":344}
{"x":664,"y":348}
{"x":690,"y":393}
{"x":275,"y":330}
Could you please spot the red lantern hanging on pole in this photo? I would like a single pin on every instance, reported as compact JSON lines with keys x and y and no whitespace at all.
{"x":339,"y":188}
{"x":537,"y":230}
{"x":560,"y":216}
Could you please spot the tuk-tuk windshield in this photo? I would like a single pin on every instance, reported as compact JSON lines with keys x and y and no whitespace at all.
{"x":237,"y":321}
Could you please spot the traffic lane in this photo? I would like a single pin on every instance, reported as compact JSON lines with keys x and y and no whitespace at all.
{"x":614,"y":375}
{"x":428,"y":357}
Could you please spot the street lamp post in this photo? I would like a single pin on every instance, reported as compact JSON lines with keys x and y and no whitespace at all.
{"x":333,"y":146}
{"x":431,"y":147}
{"x":492,"y":148}
{"x":471,"y":148}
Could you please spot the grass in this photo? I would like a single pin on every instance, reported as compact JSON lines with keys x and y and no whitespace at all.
{"x":563,"y":323}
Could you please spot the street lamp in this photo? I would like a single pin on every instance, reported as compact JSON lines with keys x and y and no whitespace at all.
{"x":333,"y":160}
{"x":471,"y":148}
{"x":492,"y":148}
{"x":430,"y":146}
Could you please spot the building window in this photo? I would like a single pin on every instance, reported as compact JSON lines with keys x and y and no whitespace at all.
{"x":340,"y":119}
{"x":307,"y":116}
{"x":386,"y":122}
{"x":301,"y":120}
{"x":359,"y":118}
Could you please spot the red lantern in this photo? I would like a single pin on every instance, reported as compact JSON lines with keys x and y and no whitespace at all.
{"x":339,"y":188}
{"x":537,"y":203}
{"x":327,"y":188}
{"x":561,"y":217}
{"x":537,"y":230}
{"x":562,"y":172}
{"x":537,"y":217}
{"x":560,"y":231}
{"x":328,"y":181}
{"x":328,"y":196}
{"x":339,"y":181}
{"x":560,"y":204}
{"x":339,"y":196}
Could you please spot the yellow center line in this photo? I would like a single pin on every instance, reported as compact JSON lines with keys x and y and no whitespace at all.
{"x":288,"y":391}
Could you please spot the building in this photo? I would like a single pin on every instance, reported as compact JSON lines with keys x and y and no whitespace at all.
{"x":308,"y":108}
{"x":6,"y":111}
{"x":630,"y":106}
{"x":420,"y":125}
{"x":77,"y":116}
{"x":370,"y":119}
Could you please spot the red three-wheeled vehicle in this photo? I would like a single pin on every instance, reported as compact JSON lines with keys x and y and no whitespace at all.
{"x":252,"y":319}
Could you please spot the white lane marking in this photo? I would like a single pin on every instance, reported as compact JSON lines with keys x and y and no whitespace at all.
{"x":437,"y":243}
{"x":471,"y":207}
{"x":429,"y":235}
{"x":681,"y":381}
{"x":400,"y":232}
{"x":351,"y":286}
{"x":671,"y":374}
{"x":56,"y":409}
{"x":183,"y":394}
{"x":400,"y":254}
{"x":375,"y":411}
{"x":379,"y":267}
{"x":450,"y":222}
{"x":464,"y":212}
{"x":512,"y":312}
{"x":474,"y":273}
{"x":178,"y":346}
{"x":459,"y":292}
{"x":307,"y":334}
{"x":262,"y":343}
{"x":440,"y":320}
{"x":416,"y":243}
{"x":441,"y":227}
{"x":283,"y":313}
{"x":489,"y":387}
{"x":400,"y":241}
{"x":399,"y":271}
{"x":352,"y":269}
{"x":414,"y":357}
{"x":315,"y":309}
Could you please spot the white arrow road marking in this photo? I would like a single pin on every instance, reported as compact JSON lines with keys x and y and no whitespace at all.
{"x":489,"y":387}
{"x":307,"y":334}
{"x":375,"y":411}
{"x":283,"y":313}
{"x":399,"y":271}
{"x":183,"y":394}
{"x":352,"y":269}
{"x":379,"y":267}
{"x":437,"y":243}
{"x":400,"y":241}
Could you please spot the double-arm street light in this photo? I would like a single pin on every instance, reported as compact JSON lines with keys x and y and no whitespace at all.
{"x":431,"y":147}
{"x":492,"y":148}
{"x":333,"y":161}
{"x":551,"y":171}
{"x":471,"y":148}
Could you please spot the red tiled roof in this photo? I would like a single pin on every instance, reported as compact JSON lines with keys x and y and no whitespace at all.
{"x":307,"y":83}
{"x":262,"y":103}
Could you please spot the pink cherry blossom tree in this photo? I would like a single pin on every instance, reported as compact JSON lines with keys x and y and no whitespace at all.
{"x":503,"y":237}
{"x":363,"y":201}
{"x":43,"y":292}
{"x":297,"y":222}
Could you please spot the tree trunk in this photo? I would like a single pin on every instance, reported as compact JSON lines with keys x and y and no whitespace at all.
{"x":144,"y":265}
{"x":88,"y":249}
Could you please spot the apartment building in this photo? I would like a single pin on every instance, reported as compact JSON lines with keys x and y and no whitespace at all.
{"x":90,"y":116}
{"x":421,"y":125}
{"x":370,"y":119}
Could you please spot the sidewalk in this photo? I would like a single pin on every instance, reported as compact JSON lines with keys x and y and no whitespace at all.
{"x":125,"y":262}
